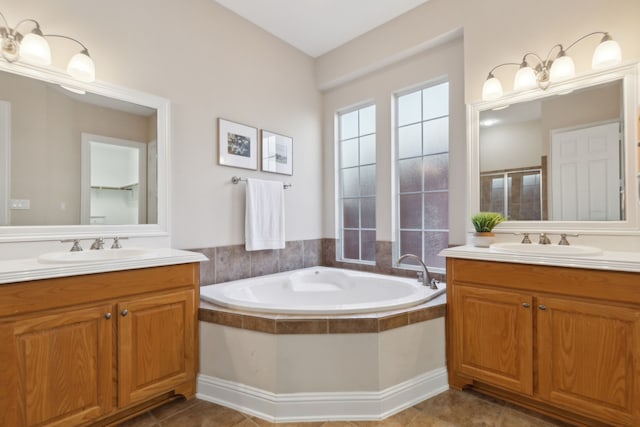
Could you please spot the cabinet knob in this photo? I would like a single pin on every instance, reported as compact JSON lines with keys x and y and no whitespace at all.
{"x":107,"y":316}
{"x":124,"y":312}
{"x":526,"y":305}
{"x":542,"y":307}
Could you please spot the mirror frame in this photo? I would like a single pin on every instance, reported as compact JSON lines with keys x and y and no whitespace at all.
{"x":59,"y":232}
{"x":628,"y":73}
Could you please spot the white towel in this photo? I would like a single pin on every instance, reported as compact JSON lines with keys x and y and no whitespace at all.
{"x":264,"y":216}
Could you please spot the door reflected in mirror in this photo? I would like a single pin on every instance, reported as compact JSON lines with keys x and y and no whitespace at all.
{"x":559,"y":158}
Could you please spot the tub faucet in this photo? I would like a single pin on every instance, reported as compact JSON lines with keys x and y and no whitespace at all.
{"x":426,"y":277}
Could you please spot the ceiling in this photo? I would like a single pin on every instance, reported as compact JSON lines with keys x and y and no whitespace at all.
{"x":318,"y":26}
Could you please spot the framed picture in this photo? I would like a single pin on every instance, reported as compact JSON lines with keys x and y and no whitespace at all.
{"x":277,"y":153}
{"x":238,"y":145}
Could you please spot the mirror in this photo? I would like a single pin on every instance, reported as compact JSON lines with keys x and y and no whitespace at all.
{"x":560,"y":158}
{"x":79,"y":158}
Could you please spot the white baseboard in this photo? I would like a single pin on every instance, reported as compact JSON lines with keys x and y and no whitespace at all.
{"x":327,"y":406}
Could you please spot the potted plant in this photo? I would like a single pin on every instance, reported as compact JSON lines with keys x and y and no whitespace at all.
{"x":484,"y":222}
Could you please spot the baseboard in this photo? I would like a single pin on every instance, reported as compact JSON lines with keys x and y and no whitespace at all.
{"x":328,"y":406}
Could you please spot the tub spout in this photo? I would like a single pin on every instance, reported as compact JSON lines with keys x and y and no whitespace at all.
{"x":426,"y":277}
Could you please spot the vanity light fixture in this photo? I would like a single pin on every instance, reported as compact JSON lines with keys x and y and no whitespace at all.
{"x":33,"y":48}
{"x":552,"y":69}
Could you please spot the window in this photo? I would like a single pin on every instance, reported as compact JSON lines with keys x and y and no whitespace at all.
{"x":357,"y":177}
{"x":422,"y":172}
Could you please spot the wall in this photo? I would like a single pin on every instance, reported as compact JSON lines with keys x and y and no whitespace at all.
{"x":510,"y":146}
{"x":495,"y":31}
{"x":210,"y":63}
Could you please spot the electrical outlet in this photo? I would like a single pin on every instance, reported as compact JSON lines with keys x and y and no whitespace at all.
{"x":20,"y":204}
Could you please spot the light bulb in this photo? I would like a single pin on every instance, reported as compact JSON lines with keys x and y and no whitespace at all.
{"x":81,"y":67}
{"x":607,"y":53}
{"x":525,"y":79}
{"x":492,"y":88}
{"x":562,"y":68}
{"x":35,"y":49}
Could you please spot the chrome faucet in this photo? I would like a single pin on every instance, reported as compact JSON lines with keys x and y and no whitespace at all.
{"x":563,"y":240}
{"x":116,"y":242}
{"x":76,"y":244}
{"x":544,"y":239}
{"x":426,"y":277}
{"x":98,"y":244}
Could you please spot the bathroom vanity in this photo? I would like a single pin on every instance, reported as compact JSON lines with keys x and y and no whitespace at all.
{"x":561,"y":339}
{"x":80,"y":348}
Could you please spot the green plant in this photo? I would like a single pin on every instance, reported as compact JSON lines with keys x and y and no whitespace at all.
{"x":484,"y":222}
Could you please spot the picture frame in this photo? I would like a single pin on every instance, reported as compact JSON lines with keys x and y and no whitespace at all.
{"x":277,"y":153}
{"x":237,"y":145}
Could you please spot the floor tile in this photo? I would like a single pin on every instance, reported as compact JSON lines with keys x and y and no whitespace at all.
{"x":144,"y":420}
{"x":462,"y":409}
{"x":205,"y":414}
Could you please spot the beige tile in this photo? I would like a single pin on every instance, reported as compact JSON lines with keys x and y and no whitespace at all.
{"x":247,"y":422}
{"x":401,"y":419}
{"x":170,"y":409}
{"x":259,"y":324}
{"x":144,"y":420}
{"x":232,"y":263}
{"x":425,"y":420}
{"x":262,"y":423}
{"x":461,"y":408}
{"x":264,"y":262}
{"x":512,"y":417}
{"x":394,"y":321}
{"x":353,"y":326}
{"x":205,"y":414}
{"x":428,"y":313}
{"x":220,"y":317}
{"x":337,"y":424}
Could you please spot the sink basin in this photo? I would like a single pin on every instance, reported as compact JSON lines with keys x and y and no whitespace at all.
{"x":93,"y":256}
{"x":545,"y":250}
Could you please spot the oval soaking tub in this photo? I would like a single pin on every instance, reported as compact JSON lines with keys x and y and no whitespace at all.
{"x":320,"y":290}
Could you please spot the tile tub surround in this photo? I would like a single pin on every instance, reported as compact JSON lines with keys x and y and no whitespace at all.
{"x":228,"y":263}
{"x":281,"y":324}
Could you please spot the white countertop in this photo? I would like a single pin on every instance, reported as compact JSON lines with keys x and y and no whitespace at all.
{"x":22,"y":270}
{"x":608,"y":260}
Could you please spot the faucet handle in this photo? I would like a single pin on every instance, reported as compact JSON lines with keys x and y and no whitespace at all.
{"x":526,"y":238}
{"x":563,"y":240}
{"x":98,"y":243}
{"x":419,"y":275}
{"x":76,"y":244}
{"x":116,"y":242}
{"x":544,"y":239}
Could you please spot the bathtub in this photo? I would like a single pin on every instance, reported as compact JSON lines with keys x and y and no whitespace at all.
{"x":320,"y":290}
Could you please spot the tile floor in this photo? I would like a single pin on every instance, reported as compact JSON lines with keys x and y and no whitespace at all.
{"x":449,"y":409}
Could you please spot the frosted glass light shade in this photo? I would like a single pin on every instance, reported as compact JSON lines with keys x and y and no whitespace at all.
{"x":607,"y":53}
{"x":492,"y":89}
{"x":525,"y":79}
{"x":81,"y":67}
{"x":562,"y":68}
{"x":35,"y":49}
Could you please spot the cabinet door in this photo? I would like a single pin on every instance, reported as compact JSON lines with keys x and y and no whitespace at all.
{"x":589,"y":358}
{"x":156,"y":345}
{"x":61,"y":366}
{"x":493,"y":337}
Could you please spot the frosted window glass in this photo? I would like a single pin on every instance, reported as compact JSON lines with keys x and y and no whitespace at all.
{"x":410,"y":141}
{"x":434,"y":242}
{"x":411,"y":211}
{"x":351,"y":241}
{"x":436,"y":172}
{"x":368,"y":149}
{"x":368,"y":120}
{"x":409,"y":109}
{"x":349,"y":125}
{"x":436,"y":211}
{"x":349,"y":153}
{"x":351,"y":215}
{"x":410,"y":173}
{"x":436,"y":136}
{"x":368,"y":245}
{"x":435,"y":101}
{"x":368,"y":180}
{"x":350,"y":184}
{"x":410,"y":243}
{"x":368,"y":213}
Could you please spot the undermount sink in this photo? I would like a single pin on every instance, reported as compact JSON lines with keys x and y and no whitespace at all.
{"x":544,"y":250}
{"x":90,"y":256}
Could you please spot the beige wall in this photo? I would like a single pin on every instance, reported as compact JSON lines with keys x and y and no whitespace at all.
{"x":46,"y":128}
{"x":495,"y":31}
{"x":209,"y":63}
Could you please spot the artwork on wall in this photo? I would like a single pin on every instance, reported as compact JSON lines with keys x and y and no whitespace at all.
{"x":277,"y":153}
{"x":238,"y":145}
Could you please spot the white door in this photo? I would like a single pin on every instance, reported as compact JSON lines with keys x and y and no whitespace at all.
{"x":585,"y":174}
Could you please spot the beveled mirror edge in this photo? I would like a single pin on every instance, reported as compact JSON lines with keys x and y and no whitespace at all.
{"x":628,"y":73}
{"x":55,"y":232}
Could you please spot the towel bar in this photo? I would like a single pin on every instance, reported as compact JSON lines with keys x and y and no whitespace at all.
{"x":237,"y":179}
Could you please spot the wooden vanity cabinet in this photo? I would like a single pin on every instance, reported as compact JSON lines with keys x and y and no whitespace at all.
{"x":563,"y":341}
{"x":90,"y":350}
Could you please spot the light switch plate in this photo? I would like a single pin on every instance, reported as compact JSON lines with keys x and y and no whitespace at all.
{"x":20,"y":204}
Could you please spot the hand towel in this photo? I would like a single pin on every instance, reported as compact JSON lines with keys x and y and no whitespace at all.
{"x":264,"y":215}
